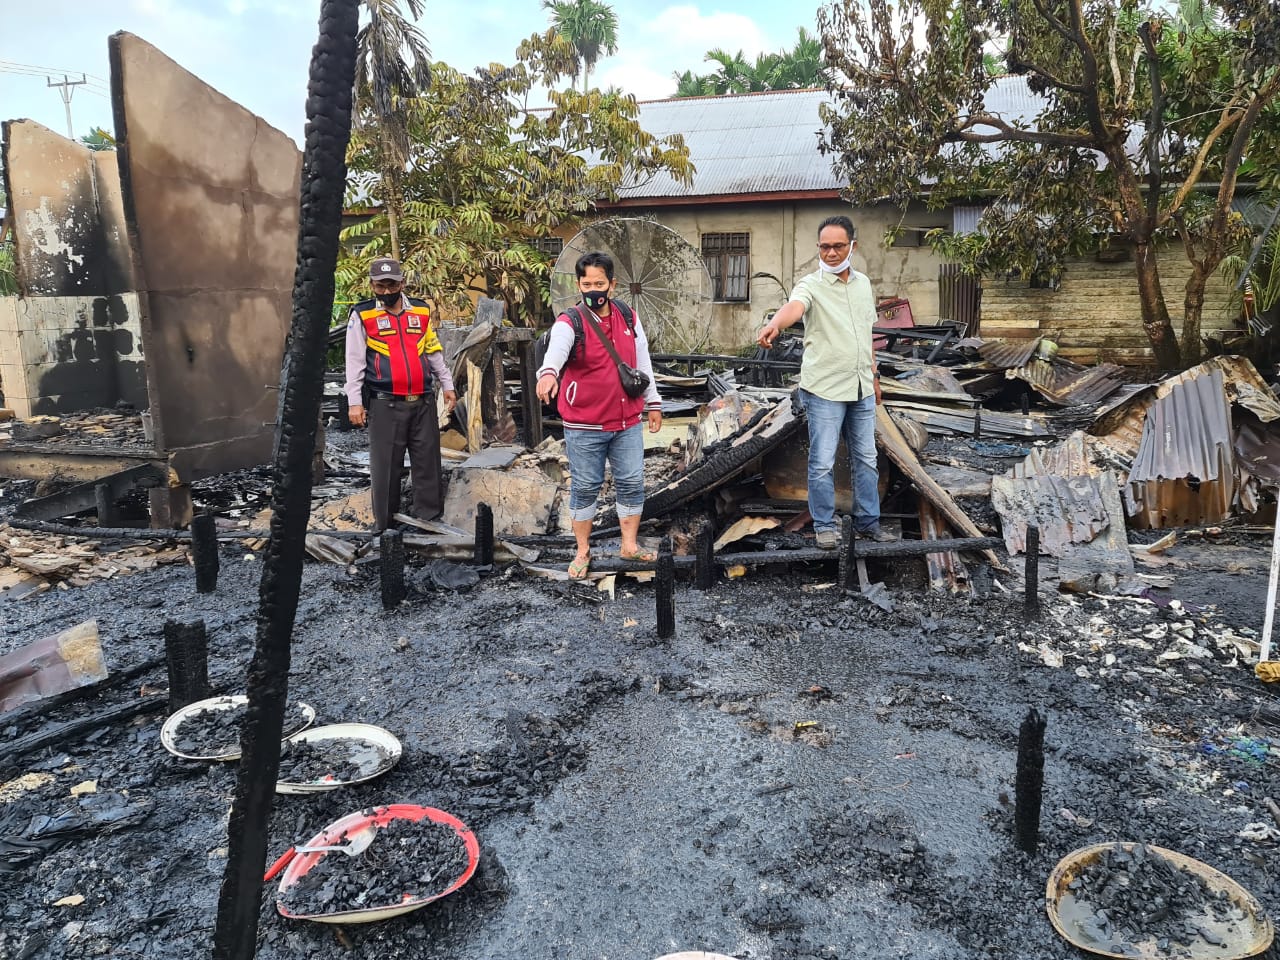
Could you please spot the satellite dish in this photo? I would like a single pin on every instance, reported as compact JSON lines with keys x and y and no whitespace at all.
{"x":658,"y":272}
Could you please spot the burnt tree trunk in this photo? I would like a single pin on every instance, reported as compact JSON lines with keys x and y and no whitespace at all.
{"x":1155,"y":313}
{"x":323,"y":185}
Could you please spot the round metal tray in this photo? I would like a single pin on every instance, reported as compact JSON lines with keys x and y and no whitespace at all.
{"x":168,"y":732}
{"x":1248,"y":938}
{"x":382,"y":739}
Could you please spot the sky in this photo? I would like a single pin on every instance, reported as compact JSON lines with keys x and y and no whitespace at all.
{"x":257,"y":51}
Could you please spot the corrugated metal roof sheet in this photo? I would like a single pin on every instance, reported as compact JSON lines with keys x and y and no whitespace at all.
{"x":1122,"y":423}
{"x":1069,"y":384}
{"x":1006,"y":354}
{"x":768,"y":142}
{"x":1184,"y":470}
{"x":751,"y":143}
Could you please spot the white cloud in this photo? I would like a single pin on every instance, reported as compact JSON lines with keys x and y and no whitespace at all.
{"x":652,"y":49}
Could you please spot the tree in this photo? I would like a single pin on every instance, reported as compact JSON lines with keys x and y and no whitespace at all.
{"x":386,"y":83}
{"x":489,"y":177}
{"x":98,"y":139}
{"x":799,"y":67}
{"x":1145,"y":121}
{"x":591,"y":27}
{"x":8,"y":269}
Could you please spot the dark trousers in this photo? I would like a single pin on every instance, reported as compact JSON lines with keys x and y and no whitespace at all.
{"x":394,"y":427}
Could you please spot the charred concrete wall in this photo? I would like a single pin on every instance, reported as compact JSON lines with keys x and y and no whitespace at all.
{"x":67,"y":215}
{"x":211,"y":202}
{"x":61,"y":354}
{"x":72,"y":340}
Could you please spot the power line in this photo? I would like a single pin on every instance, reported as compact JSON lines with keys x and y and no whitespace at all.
{"x":10,"y":66}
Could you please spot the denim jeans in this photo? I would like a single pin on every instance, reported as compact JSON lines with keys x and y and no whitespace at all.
{"x":588,"y":450}
{"x":855,"y":420}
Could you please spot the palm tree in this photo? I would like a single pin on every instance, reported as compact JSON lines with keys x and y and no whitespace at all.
{"x":591,"y":27}
{"x":801,"y":66}
{"x":385,"y":80}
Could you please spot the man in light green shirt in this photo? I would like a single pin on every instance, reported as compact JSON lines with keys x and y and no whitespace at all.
{"x":839,"y":388}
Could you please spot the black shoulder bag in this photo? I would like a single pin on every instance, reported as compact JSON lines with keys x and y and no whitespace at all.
{"x":634,"y":382}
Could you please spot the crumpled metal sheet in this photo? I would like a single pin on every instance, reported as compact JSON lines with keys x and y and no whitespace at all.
{"x":1184,"y":468}
{"x":1066,"y":509}
{"x":1076,"y":503}
{"x":1008,"y":355}
{"x":1062,"y":382}
{"x":1257,"y":447}
{"x":1122,"y":422}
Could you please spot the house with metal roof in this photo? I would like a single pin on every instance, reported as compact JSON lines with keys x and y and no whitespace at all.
{"x":762,"y":187}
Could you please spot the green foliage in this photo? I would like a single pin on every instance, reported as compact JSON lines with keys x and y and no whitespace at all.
{"x":801,"y":66}
{"x":1264,"y":276}
{"x":393,"y":66}
{"x":98,"y":139}
{"x":8,"y":269}
{"x":488,"y":177}
{"x":1146,"y":121}
{"x":592,"y":28}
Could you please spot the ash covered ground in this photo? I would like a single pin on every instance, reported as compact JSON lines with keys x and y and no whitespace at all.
{"x":796,"y":774}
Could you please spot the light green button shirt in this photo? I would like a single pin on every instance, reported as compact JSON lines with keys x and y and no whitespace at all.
{"x":838,"y":317}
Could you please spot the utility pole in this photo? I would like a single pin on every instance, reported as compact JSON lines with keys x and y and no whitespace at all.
{"x":66,"y":89}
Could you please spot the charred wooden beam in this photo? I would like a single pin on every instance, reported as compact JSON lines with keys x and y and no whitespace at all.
{"x":665,"y":591}
{"x":484,"y":535}
{"x":186,"y":648}
{"x":106,"y":489}
{"x":391,"y":553}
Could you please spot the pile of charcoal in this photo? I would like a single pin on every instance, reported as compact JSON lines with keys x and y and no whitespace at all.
{"x":215,"y":731}
{"x":326,"y":761}
{"x":1127,"y":897}
{"x":408,"y":860}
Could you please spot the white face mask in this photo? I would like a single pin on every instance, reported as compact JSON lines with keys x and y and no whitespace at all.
{"x":840,"y":267}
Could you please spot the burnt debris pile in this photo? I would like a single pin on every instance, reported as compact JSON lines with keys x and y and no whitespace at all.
{"x":407,"y":860}
{"x":216,"y":731}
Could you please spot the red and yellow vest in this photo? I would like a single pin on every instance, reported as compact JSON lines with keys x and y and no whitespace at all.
{"x":396,"y":347}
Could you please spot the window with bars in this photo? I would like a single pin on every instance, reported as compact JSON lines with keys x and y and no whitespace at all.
{"x":551,"y":246}
{"x":728,"y":256}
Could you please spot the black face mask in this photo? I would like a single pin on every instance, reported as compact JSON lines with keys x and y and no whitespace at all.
{"x":388,"y":300}
{"x":595,"y":299}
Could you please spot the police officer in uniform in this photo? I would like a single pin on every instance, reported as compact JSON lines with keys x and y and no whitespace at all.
{"x":393,"y":357}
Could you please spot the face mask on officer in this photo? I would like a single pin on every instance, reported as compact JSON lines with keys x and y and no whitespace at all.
{"x":388,"y":300}
{"x":595,"y":299}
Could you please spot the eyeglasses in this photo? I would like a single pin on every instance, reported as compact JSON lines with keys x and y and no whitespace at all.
{"x":832,"y":247}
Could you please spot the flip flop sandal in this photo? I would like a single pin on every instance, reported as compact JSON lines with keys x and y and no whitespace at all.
{"x":579,"y":568}
{"x":640,"y":554}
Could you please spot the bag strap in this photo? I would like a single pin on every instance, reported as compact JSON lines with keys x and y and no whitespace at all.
{"x":608,"y":344}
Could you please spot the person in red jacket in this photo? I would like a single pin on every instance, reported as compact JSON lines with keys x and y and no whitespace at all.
{"x":601,"y":423}
{"x":393,"y":359}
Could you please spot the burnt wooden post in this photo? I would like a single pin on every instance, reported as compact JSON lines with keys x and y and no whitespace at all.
{"x":391,"y":553}
{"x":186,"y":649}
{"x":324,"y":178}
{"x":1029,"y":781}
{"x":344,"y":412}
{"x":666,"y":590}
{"x":484,"y":535}
{"x":704,"y":569}
{"x":1026,"y":401}
{"x":105,"y":501}
{"x":1031,"y":599}
{"x":530,"y":405}
{"x":204,"y":552}
{"x":977,"y":421}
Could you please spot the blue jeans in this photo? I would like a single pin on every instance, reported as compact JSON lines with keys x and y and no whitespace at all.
{"x":588,"y":450}
{"x":855,"y":420}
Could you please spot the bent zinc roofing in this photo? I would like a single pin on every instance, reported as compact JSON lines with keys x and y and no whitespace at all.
{"x":767,"y":143}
